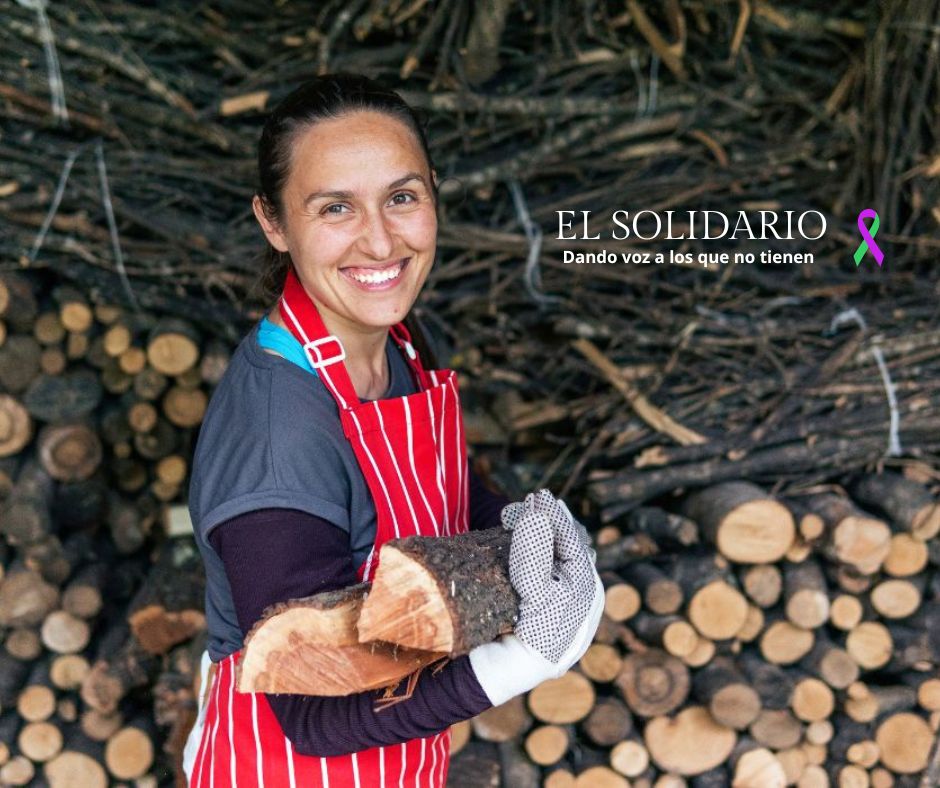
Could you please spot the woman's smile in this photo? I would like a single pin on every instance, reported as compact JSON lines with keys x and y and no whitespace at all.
{"x":382,"y":277}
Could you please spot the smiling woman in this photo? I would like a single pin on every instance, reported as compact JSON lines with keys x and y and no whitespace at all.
{"x":331,"y":432}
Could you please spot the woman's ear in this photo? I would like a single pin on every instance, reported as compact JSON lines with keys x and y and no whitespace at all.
{"x":271,"y":230}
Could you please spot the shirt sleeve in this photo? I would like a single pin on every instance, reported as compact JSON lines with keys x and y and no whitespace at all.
{"x":272,"y":555}
{"x":485,"y":505}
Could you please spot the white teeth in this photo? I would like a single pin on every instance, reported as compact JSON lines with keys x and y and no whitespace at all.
{"x":374,"y":279}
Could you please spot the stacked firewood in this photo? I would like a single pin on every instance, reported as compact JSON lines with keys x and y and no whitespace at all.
{"x":747,"y":641}
{"x":101,"y":615}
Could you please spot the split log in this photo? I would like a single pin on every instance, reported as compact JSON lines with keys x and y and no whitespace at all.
{"x":441,"y":594}
{"x":853,"y":537}
{"x":311,"y":646}
{"x":169,"y":607}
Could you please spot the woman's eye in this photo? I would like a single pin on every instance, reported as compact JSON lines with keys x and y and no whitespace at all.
{"x":411,"y":198}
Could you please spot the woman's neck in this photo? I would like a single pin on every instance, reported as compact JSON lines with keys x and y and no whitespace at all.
{"x":365,"y":361}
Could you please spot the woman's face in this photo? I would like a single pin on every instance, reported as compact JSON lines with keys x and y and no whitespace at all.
{"x":358,"y":206}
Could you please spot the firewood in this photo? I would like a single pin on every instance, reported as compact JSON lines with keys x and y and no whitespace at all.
{"x":807,"y":600}
{"x":83,"y":596}
{"x":784,"y":643}
{"x":516,"y":768}
{"x":36,"y":700}
{"x":19,"y":363}
{"x":173,"y":346}
{"x":79,"y":762}
{"x":853,"y":537}
{"x":445,"y":595}
{"x":311,"y":646}
{"x":64,"y":633}
{"x":25,"y":516}
{"x":460,"y":733}
{"x":870,"y":644}
{"x":600,"y":776}
{"x":753,"y":766}
{"x":832,"y":664}
{"x":39,"y":741}
{"x":547,"y":744}
{"x":653,"y":683}
{"x":168,"y":608}
{"x":689,"y":743}
{"x":776,"y":729}
{"x":621,"y":600}
{"x":19,"y":770}
{"x":129,"y":752}
{"x":25,"y":598}
{"x":904,"y":741}
{"x":68,"y":670}
{"x":702,"y":654}
{"x":608,"y":722}
{"x":898,"y":597}
{"x":16,"y":426}
{"x":903,"y":500}
{"x":744,"y":523}
{"x":763,"y":583}
{"x":127,"y":665}
{"x":630,"y":757}
{"x":100,"y":726}
{"x":601,"y":663}
{"x":502,"y":723}
{"x":672,"y":633}
{"x":661,"y":594}
{"x":845,"y":612}
{"x":567,"y":699}
{"x":812,"y":700}
{"x":907,"y":556}
{"x":477,"y":767}
{"x":23,"y":643}
{"x":668,"y":529}
{"x":723,"y":689}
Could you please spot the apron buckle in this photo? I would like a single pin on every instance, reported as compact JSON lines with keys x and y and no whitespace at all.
{"x":315,"y":355}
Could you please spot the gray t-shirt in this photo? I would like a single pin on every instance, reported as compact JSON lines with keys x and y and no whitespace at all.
{"x":272,"y":437}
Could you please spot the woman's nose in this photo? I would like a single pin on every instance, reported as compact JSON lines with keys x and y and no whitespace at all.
{"x":376,"y":237}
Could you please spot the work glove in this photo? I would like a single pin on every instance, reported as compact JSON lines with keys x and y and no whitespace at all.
{"x":512,"y":512}
{"x":561,"y":599}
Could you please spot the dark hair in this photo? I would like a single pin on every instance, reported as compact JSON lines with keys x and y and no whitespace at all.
{"x":326,"y":96}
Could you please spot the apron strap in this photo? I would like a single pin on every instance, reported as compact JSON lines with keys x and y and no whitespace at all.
{"x":325,"y":351}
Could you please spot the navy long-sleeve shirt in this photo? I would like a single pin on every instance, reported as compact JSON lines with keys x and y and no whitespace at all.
{"x":272,"y":555}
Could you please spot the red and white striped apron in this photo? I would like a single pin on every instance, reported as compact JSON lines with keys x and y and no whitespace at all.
{"x":412,"y":453}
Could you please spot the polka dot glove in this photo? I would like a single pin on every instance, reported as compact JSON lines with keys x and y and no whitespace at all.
{"x":550,"y":563}
{"x":512,"y":512}
{"x":553,"y":572}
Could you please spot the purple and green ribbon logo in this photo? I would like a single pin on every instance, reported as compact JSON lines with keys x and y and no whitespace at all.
{"x":868,"y":238}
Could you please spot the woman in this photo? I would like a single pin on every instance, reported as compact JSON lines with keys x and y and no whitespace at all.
{"x":328,"y":435}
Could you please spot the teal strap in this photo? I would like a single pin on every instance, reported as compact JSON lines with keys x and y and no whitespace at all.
{"x":274,"y":337}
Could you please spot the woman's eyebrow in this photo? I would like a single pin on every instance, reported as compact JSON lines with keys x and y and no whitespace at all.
{"x":345,"y":195}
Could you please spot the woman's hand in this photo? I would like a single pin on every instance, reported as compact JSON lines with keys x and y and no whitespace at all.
{"x":512,"y":512}
{"x":561,"y":600}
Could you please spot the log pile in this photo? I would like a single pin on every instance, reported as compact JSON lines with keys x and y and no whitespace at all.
{"x":739,"y":658}
{"x":646,"y":396}
{"x":102,"y":615}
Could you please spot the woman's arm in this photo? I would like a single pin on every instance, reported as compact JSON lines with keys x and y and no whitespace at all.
{"x":271,"y":555}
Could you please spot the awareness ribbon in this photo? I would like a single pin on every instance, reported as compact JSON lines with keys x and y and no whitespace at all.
{"x":869,"y":235}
